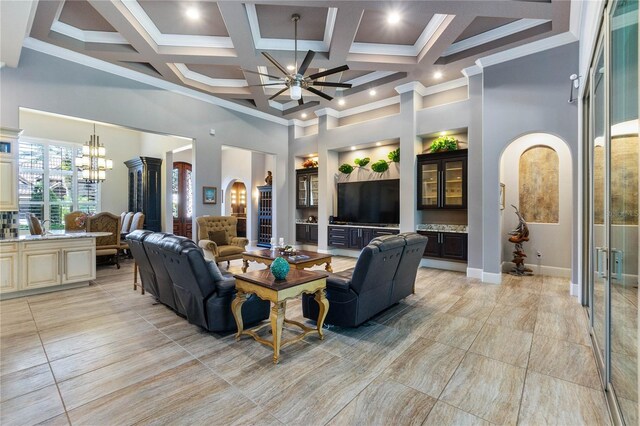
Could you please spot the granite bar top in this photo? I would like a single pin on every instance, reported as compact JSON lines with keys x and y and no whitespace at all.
{"x":392,"y":226}
{"x":55,"y":236}
{"x":305,"y":222}
{"x":436,"y":227}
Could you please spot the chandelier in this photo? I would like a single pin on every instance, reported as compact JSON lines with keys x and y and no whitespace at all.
{"x":92,"y":162}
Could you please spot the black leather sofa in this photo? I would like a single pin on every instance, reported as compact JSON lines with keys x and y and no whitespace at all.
{"x":384,"y":274}
{"x":175,"y":271}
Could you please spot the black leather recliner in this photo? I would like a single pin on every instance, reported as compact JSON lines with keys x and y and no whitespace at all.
{"x":200,"y":291}
{"x":166,"y":293}
{"x":135,"y":240}
{"x":384,"y":274}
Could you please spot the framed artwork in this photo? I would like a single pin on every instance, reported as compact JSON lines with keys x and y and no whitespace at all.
{"x":502,"y":196}
{"x":209,"y":195}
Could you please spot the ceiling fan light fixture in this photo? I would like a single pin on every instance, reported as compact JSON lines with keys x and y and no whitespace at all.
{"x":295,"y":91}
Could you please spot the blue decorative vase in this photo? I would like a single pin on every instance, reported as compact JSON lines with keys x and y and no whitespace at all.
{"x":280,"y":268}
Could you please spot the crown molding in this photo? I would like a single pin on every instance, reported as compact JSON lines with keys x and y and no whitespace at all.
{"x":209,"y":81}
{"x":527,"y":49}
{"x":306,"y":123}
{"x":174,"y":40}
{"x":330,"y":112}
{"x":289,"y":44}
{"x":401,"y":49}
{"x":426,"y":91}
{"x":412,"y":86}
{"x":79,"y":58}
{"x":493,"y":35}
{"x":472,"y":70}
{"x":88,"y":36}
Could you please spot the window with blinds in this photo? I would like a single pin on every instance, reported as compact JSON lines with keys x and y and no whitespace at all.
{"x":49,"y":183}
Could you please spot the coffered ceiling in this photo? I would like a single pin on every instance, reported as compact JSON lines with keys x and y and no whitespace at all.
{"x":207,"y":52}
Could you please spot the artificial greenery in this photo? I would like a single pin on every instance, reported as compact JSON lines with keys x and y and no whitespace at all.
{"x":345,"y":168}
{"x":380,"y":166}
{"x":444,"y":143}
{"x":362,"y":162}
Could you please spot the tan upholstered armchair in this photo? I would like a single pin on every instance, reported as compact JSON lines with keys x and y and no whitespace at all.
{"x":75,"y":221}
{"x":218,"y":238}
{"x":108,"y":245}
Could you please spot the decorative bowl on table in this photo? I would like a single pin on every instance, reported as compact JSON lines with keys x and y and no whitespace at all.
{"x":288,"y":251}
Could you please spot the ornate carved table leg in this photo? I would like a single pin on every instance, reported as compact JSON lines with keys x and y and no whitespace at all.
{"x":328,"y":267}
{"x":323,"y":303}
{"x":236,"y":309}
{"x":277,"y":319}
{"x":245,"y":265}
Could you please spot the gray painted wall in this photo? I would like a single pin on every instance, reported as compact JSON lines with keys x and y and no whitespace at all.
{"x":50,"y":84}
{"x":526,"y":95}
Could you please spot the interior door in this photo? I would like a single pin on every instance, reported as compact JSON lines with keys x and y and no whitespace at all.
{"x":599,"y":183}
{"x":182,"y":199}
{"x":623,"y":204}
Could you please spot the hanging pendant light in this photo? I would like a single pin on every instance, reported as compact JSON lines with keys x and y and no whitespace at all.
{"x":92,"y":161}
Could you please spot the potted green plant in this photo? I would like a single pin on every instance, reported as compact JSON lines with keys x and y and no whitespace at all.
{"x":444,"y":143}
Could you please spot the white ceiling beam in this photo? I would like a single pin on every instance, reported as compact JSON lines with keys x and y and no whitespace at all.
{"x":16,"y":18}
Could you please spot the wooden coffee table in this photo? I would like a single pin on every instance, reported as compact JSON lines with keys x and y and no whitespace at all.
{"x":264,"y":285}
{"x":304,"y":259}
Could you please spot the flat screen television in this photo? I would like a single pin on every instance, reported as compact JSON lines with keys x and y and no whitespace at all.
{"x":375,"y":201}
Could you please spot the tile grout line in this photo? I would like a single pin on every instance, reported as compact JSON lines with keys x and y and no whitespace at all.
{"x":459,"y":364}
{"x":55,"y":380}
{"x":526,"y":371}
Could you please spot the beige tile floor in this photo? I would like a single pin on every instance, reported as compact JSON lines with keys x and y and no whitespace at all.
{"x":456,"y":352}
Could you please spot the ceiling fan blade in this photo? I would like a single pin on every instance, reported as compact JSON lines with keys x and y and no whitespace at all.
{"x":261,"y":73}
{"x":331,"y":84}
{"x":278,"y":94}
{"x":306,"y":62}
{"x":276,"y":63}
{"x":319,"y":93}
{"x":329,"y":72}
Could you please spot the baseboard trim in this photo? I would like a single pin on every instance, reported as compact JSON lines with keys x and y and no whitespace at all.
{"x":491,"y":278}
{"x":552,"y":271}
{"x":474,"y":273}
{"x":575,"y":290}
{"x":443,"y":264}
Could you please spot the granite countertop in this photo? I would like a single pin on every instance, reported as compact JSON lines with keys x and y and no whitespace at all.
{"x":391,"y":226}
{"x":437,"y":227}
{"x":305,"y":222}
{"x":55,"y":236}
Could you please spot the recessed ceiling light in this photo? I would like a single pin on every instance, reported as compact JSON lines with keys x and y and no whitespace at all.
{"x":437,"y":74}
{"x":192,"y":13}
{"x":304,"y":115}
{"x":372,"y":92}
{"x":378,"y":143}
{"x":443,"y":133}
{"x":393,"y":18}
{"x":353,"y":148}
{"x":291,"y":67}
{"x":341,"y":102}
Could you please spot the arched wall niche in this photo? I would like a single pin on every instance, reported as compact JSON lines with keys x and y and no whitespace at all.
{"x":551,"y":239}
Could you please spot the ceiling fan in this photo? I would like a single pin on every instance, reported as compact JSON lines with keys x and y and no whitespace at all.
{"x":295,"y":81}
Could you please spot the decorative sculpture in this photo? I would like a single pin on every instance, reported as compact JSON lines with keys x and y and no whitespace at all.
{"x":269,"y":178}
{"x":519,"y":236}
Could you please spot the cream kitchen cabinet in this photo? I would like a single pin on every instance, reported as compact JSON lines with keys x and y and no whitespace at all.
{"x":9,"y":169}
{"x":8,"y":267}
{"x":47,"y":263}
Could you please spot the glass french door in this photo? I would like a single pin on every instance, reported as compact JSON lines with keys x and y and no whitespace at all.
{"x":182,"y":199}
{"x":614,"y":160}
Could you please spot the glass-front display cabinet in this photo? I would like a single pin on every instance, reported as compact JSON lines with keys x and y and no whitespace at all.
{"x":442,"y":180}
